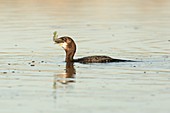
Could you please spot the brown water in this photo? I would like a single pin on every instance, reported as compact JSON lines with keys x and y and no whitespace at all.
{"x":33,"y":78}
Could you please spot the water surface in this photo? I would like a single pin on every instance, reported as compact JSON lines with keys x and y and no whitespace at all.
{"x":35,"y":79}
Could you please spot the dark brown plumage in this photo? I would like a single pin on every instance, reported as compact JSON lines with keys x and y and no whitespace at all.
{"x":69,"y":46}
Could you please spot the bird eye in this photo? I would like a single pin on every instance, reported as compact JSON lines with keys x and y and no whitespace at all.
{"x":64,"y":39}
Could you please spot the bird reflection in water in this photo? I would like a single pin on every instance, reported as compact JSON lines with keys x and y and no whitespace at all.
{"x":67,"y":77}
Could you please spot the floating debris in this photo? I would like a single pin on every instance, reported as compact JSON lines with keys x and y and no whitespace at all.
{"x":4,"y":72}
{"x":136,"y":27}
{"x":13,"y":71}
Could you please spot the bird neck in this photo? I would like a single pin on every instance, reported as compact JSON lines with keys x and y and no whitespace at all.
{"x":69,"y":56}
{"x":70,"y":51}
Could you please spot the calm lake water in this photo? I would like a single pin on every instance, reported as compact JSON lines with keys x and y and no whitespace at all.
{"x":35,"y":79}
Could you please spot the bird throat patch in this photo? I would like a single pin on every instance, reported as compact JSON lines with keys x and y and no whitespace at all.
{"x":64,"y":45}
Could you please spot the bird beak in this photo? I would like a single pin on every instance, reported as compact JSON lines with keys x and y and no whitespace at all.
{"x":58,"y":41}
